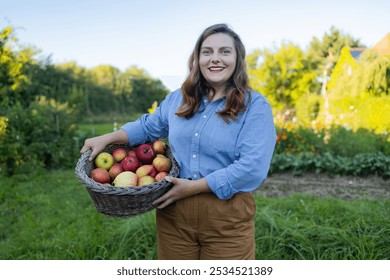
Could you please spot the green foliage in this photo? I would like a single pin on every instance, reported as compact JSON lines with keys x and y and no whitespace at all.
{"x":41,"y":103}
{"x":302,"y":150}
{"x":359,"y":92}
{"x":328,"y":48}
{"x":360,"y":165}
{"x":10,"y":63}
{"x":307,"y":108}
{"x":282,"y":76}
{"x":52,"y":217}
{"x":38,"y":136}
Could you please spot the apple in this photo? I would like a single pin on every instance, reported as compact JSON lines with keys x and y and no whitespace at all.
{"x":100,"y":175}
{"x":132,"y":153}
{"x":115,"y":170}
{"x":146,"y":169}
{"x":119,"y":154}
{"x":145,"y":180}
{"x":162,"y":163}
{"x":160,"y":176}
{"x":159,"y":147}
{"x":130,"y":163}
{"x":145,"y":153}
{"x":104,"y":160}
{"x":126,"y":179}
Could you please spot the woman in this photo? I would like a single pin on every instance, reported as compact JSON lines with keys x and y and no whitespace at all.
{"x":222,"y":136}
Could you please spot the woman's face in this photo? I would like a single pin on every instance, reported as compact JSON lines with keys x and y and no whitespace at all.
{"x":217,"y":59}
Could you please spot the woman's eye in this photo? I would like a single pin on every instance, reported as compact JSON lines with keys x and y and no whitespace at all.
{"x":226,"y":52}
{"x":206,"y":52}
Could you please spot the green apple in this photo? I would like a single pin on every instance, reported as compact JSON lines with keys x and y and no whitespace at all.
{"x":104,"y":160}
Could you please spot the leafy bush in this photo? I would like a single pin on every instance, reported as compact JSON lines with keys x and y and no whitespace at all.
{"x":294,"y":139}
{"x":38,"y":136}
{"x":360,"y":165}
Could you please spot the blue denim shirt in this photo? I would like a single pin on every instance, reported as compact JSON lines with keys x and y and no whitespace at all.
{"x":233,"y":157}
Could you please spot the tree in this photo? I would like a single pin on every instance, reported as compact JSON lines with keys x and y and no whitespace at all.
{"x":324,"y":53}
{"x":144,"y":89}
{"x":359,"y":91}
{"x":283,"y":75}
{"x":35,"y":131}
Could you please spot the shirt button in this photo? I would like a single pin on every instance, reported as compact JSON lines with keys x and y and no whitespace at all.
{"x":195,"y":176}
{"x":204,"y":116}
{"x":194,"y":156}
{"x":196,"y":134}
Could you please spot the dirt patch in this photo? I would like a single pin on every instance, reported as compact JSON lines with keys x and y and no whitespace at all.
{"x":324,"y":185}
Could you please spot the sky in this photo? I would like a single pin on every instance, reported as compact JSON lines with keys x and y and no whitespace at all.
{"x":159,"y":36}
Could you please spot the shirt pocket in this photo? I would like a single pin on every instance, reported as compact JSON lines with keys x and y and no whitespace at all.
{"x":222,"y":136}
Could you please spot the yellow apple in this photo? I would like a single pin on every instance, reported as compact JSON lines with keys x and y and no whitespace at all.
{"x":126,"y":179}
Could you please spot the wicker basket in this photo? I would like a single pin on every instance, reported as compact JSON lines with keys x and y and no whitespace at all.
{"x":118,"y":201}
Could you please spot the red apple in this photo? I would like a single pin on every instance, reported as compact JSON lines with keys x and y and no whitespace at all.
{"x":130,"y":163}
{"x":119,"y":154}
{"x":132,"y":153}
{"x":145,"y":153}
{"x":126,"y":179}
{"x":100,"y":175}
{"x":159,"y":146}
{"x":146,"y":169}
{"x":162,"y":163}
{"x":115,"y":170}
{"x":160,"y":176}
{"x":145,"y":180}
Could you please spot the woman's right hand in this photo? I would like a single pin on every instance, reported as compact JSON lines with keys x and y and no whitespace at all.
{"x":97,"y":144}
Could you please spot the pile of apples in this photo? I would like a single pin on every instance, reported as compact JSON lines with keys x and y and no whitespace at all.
{"x":140,"y":166}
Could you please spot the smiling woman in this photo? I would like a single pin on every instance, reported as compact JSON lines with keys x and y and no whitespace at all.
{"x":216,"y":176}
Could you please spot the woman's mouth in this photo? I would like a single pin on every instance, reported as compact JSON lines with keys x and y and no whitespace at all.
{"x":216,"y":69}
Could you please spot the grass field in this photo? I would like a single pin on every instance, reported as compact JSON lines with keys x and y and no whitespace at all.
{"x":52,"y":217}
{"x":97,"y":129}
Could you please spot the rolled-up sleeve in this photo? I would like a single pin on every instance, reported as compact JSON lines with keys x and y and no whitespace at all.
{"x":149,"y":127}
{"x":254,"y":150}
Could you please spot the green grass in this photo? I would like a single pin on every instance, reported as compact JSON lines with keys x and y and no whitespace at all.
{"x":95,"y":129}
{"x":52,"y":217}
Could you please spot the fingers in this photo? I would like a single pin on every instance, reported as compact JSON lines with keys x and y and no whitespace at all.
{"x":172,"y":195}
{"x":84,"y":149}
{"x":93,"y":154}
{"x":165,"y":204}
{"x":161,"y":199}
{"x":166,"y":199}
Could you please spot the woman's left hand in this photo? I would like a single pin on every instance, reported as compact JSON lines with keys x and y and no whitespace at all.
{"x":181,"y":188}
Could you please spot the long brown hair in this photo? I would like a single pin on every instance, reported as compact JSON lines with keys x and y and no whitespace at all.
{"x":195,"y":86}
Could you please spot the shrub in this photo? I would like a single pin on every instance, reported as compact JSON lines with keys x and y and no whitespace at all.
{"x":359,"y":165}
{"x":38,"y":136}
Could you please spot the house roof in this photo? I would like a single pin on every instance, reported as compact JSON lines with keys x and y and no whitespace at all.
{"x":383,"y":46}
{"x":356,"y":52}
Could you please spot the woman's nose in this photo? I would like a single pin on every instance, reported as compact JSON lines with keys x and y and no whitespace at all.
{"x":215,"y":58}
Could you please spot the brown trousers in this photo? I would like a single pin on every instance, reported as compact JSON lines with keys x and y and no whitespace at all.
{"x":207,"y":228}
